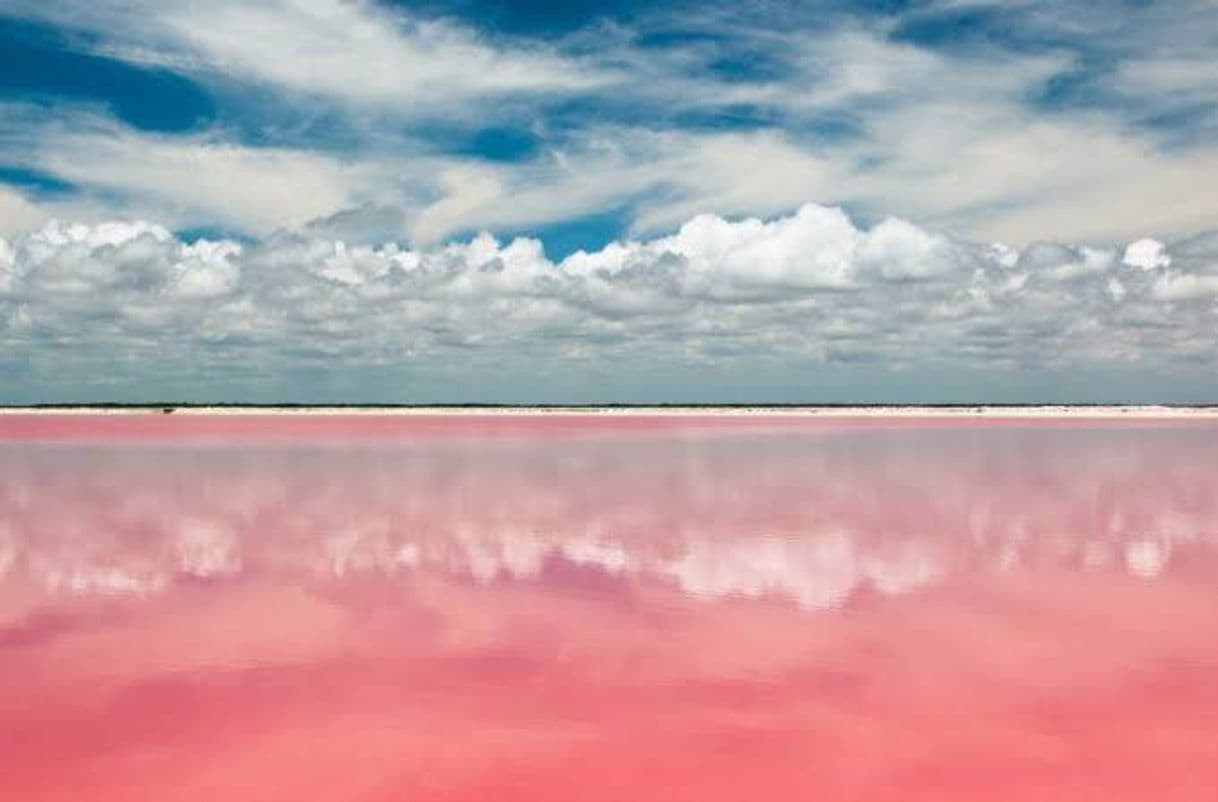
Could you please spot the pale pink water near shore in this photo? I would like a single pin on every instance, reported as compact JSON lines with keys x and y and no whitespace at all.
{"x":607,"y":608}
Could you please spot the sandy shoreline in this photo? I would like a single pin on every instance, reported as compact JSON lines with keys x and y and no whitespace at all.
{"x":963,"y":411}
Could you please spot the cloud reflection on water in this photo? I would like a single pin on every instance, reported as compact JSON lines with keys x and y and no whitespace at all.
{"x":814,"y":517}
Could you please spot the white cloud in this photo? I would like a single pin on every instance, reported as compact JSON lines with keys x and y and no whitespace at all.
{"x":1192,"y":77}
{"x":897,"y":249}
{"x":353,"y":51}
{"x":197,"y":180}
{"x":209,"y":269}
{"x":1184,"y":287}
{"x":1147,"y":254}
{"x":358,"y":47}
{"x":193,"y":181}
{"x":17,"y":213}
{"x":810,"y":288}
{"x":944,"y":141}
{"x":817,"y":247}
{"x":1018,"y":178}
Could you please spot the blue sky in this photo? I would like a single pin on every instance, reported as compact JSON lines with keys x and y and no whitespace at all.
{"x":454,"y":200}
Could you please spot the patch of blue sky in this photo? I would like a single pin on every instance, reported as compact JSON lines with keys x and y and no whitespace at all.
{"x":257,"y":117}
{"x":40,"y":64}
{"x":34,"y":182}
{"x":588,"y":233}
{"x":1181,"y":125}
{"x":562,"y":238}
{"x":580,"y":112}
{"x":1093,"y":83}
{"x":538,"y":18}
{"x":955,"y":28}
{"x":1080,"y":86}
{"x":552,"y":19}
{"x":734,"y":117}
{"x":665,"y":37}
{"x":193,"y":234}
{"x":750,"y":66}
{"x":985,"y":26}
{"x":496,"y":143}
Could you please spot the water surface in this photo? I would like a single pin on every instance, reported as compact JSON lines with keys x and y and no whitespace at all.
{"x":607,"y":608}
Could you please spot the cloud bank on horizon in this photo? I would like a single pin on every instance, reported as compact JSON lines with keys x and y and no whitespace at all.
{"x":130,"y":302}
{"x":319,"y":200}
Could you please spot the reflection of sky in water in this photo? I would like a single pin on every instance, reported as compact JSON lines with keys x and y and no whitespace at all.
{"x":957,"y":612}
{"x":813,"y":517}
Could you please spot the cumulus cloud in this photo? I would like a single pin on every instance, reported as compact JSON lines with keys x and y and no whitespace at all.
{"x":810,"y":288}
{"x":1147,"y":254}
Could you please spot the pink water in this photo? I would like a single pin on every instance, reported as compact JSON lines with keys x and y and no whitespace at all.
{"x":606,"y":608}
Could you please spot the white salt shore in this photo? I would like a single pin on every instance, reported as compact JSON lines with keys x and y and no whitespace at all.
{"x":962,"y":411}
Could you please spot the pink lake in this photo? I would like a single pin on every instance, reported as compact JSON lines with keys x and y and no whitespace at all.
{"x":603,"y":608}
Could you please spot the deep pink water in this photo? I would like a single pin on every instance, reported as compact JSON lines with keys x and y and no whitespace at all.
{"x":607,"y":608}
